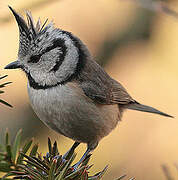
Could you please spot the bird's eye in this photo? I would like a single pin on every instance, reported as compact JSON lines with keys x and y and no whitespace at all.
{"x":34,"y":59}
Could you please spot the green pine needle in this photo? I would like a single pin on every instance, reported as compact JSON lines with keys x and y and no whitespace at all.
{"x":27,"y":163}
{"x":1,"y":92}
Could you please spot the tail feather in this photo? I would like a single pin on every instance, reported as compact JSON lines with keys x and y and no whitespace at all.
{"x":144,"y":108}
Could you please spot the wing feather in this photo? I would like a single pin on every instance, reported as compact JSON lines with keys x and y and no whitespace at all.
{"x":100,"y":87}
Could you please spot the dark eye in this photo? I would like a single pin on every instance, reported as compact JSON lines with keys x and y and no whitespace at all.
{"x":34,"y":59}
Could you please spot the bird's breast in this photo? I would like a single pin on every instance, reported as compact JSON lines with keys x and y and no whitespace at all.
{"x":67,"y":110}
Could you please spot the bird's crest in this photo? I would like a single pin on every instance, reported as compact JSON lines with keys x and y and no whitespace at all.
{"x":28,"y":31}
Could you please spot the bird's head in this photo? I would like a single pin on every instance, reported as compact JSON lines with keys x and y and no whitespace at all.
{"x":48,"y":55}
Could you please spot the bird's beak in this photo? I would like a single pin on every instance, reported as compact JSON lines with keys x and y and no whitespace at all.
{"x":13,"y":65}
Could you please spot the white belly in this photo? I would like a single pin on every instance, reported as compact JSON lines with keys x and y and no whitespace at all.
{"x":68,"y":111}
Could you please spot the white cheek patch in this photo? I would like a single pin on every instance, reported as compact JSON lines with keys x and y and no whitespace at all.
{"x":69,"y":64}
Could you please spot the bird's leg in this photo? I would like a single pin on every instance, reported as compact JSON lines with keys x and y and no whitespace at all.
{"x":71,"y":150}
{"x":82,"y":158}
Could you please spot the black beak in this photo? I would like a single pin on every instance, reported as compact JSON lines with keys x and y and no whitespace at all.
{"x":13,"y":65}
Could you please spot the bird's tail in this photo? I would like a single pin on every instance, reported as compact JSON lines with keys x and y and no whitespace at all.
{"x":144,"y":108}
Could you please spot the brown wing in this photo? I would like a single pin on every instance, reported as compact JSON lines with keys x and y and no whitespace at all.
{"x":119,"y":94}
{"x":100,"y":87}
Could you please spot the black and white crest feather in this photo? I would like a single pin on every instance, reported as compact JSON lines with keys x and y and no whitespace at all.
{"x":28,"y":31}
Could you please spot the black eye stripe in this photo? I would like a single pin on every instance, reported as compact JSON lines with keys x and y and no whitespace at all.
{"x":56,"y":43}
{"x":34,"y":59}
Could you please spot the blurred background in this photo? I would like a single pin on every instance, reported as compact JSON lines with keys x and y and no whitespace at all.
{"x":137,"y":46}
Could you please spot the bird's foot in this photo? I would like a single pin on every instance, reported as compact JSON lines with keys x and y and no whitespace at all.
{"x":84,"y":160}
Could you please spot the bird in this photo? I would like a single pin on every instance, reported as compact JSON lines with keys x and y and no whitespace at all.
{"x":68,"y":90}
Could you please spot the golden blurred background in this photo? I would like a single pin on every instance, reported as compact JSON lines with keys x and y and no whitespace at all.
{"x":137,"y":47}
